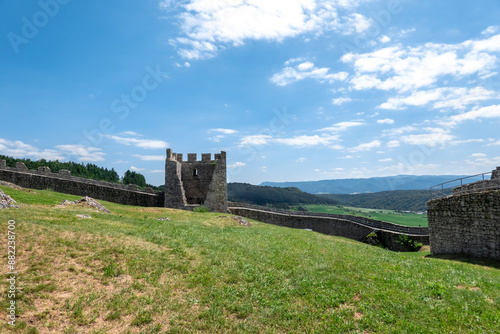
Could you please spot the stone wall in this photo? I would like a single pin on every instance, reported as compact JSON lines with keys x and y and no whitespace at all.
{"x":373,"y":223}
{"x":63,"y":182}
{"x":466,"y":223}
{"x":336,"y":225}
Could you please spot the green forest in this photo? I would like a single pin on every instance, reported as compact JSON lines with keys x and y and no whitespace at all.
{"x":266,"y":195}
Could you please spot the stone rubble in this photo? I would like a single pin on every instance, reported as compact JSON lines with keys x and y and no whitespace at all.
{"x":239,"y":219}
{"x":84,"y":216}
{"x":6,"y":201}
{"x":86,"y":201}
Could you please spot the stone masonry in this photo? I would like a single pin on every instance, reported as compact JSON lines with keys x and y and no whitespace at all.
{"x":196,"y":182}
{"x":467,"y":222}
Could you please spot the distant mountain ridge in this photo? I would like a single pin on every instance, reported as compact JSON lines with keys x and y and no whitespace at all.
{"x":369,"y":185}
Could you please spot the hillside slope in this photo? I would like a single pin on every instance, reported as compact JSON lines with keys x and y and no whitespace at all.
{"x":128,"y":272}
{"x":375,"y":184}
{"x":402,"y":200}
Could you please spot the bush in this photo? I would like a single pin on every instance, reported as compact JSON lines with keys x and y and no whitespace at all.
{"x":201,"y":208}
{"x":406,"y":241}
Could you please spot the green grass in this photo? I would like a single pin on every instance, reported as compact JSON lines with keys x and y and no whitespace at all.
{"x":407,"y":219}
{"x":127,"y":272}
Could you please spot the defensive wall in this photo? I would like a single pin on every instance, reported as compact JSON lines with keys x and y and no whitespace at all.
{"x":468,"y":221}
{"x":63,"y":182}
{"x":352,"y":227}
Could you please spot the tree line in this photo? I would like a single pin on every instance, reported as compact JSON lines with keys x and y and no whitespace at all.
{"x":87,"y":171}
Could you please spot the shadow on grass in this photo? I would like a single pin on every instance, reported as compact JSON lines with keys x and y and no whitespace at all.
{"x":467,"y":259}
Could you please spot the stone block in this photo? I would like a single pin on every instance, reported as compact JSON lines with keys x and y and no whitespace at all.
{"x":45,"y":170}
{"x":20,"y":166}
{"x":132,"y":187}
{"x":65,"y":174}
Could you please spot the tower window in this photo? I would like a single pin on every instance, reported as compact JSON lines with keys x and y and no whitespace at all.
{"x":195,"y":172}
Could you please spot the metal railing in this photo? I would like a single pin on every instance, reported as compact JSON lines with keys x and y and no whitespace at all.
{"x":440,"y":190}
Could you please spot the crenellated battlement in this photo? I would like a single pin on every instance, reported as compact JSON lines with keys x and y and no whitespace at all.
{"x":193,"y":157}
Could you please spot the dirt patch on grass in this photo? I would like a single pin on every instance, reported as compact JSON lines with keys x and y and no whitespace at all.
{"x":65,"y":286}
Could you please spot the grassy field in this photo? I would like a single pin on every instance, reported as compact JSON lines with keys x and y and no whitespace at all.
{"x":127,"y":272}
{"x":408,"y":219}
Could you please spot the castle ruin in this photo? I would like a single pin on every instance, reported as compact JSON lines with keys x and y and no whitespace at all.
{"x":196,"y":182}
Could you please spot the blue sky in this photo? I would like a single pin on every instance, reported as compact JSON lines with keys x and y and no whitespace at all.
{"x":292,"y":90}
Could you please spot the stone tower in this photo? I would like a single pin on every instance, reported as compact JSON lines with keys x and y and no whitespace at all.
{"x":195,"y":182}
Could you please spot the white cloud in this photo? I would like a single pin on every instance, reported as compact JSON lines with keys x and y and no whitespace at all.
{"x":300,"y":160}
{"x":304,"y":141}
{"x":255,"y":140}
{"x":305,"y":66}
{"x":306,"y":70}
{"x":385,"y":121}
{"x":393,"y":143}
{"x":224,"y":131}
{"x":433,"y":137}
{"x":295,"y":60}
{"x":490,"y":30}
{"x":18,"y":149}
{"x":263,"y":169}
{"x":84,"y":153}
{"x":342,"y":126}
{"x":466,"y":141}
{"x":495,"y":161}
{"x":356,"y":23}
{"x":142,"y":143}
{"x":297,"y":141}
{"x":130,"y":133}
{"x":444,"y":97}
{"x":367,"y":146}
{"x":484,"y":112}
{"x":237,"y":164}
{"x":210,"y":25}
{"x":399,"y":131}
{"x":341,"y":100}
{"x":496,"y":143}
{"x":136,"y":169}
{"x":384,"y":39}
{"x":385,"y":160}
{"x":402,"y":69}
{"x":478,"y":155}
{"x":150,"y":157}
